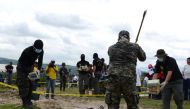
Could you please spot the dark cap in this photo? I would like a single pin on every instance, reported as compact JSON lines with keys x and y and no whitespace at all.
{"x":82,"y":56}
{"x":160,"y":53}
{"x":95,"y":55}
{"x":52,"y":61}
{"x":38,"y":44}
{"x":63,"y":64}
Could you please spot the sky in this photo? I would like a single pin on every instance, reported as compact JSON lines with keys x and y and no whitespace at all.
{"x":69,"y":28}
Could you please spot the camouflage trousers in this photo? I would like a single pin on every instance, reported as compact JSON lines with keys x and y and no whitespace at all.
{"x":118,"y":86}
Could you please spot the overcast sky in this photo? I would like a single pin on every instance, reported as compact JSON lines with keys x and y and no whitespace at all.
{"x":71,"y":27}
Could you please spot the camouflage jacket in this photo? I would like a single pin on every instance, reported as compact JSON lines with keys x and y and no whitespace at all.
{"x":123,"y":57}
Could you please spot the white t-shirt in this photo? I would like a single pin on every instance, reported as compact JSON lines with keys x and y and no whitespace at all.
{"x":150,"y":71}
{"x":138,"y":79}
{"x":186,"y":72}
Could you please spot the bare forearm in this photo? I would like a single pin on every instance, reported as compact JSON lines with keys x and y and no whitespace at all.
{"x":155,"y":76}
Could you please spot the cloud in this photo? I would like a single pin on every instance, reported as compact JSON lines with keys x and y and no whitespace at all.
{"x":71,"y":27}
{"x":66,"y":21}
{"x":116,"y":28}
{"x":67,"y":41}
{"x":21,"y":30}
{"x":167,"y":38}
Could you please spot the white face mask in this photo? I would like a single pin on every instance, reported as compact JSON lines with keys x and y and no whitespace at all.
{"x":161,"y":59}
{"x":37,"y":50}
{"x":123,"y":38}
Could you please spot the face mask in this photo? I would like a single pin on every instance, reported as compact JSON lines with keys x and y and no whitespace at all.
{"x":123,"y":39}
{"x":161,"y":59}
{"x":37,"y":50}
{"x":82,"y":58}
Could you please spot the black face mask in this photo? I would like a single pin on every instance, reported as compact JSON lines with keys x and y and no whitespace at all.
{"x":82,"y":58}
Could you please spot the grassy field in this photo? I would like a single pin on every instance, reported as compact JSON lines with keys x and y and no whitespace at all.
{"x":13,"y":106}
{"x":145,"y":102}
{"x":157,"y":104}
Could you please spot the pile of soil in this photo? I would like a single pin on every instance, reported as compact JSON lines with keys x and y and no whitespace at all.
{"x":60,"y":102}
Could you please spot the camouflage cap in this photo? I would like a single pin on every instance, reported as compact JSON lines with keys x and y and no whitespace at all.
{"x":124,"y":33}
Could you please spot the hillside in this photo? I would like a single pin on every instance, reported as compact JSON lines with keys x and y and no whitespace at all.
{"x":7,"y":61}
{"x":71,"y":69}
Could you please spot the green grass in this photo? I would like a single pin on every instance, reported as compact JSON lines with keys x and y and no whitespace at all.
{"x":13,"y":106}
{"x":157,"y":104}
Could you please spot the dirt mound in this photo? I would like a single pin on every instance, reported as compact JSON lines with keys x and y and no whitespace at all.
{"x":70,"y":103}
{"x":60,"y":102}
{"x":9,"y":97}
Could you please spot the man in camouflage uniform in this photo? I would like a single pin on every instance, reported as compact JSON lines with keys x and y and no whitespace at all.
{"x":121,"y":72}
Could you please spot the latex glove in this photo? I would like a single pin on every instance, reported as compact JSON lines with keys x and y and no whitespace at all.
{"x":93,"y":75}
{"x":163,"y":84}
{"x":38,"y":74}
{"x":32,"y":76}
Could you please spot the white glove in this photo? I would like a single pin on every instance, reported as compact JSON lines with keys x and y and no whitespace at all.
{"x":163,"y":84}
{"x":32,"y":76}
{"x":93,"y":75}
{"x":38,"y":74}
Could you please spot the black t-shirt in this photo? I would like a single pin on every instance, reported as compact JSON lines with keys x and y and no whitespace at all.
{"x":63,"y":72}
{"x":29,"y":56}
{"x":9,"y":68}
{"x":83,"y":66}
{"x":99,"y":64}
{"x":169,"y":64}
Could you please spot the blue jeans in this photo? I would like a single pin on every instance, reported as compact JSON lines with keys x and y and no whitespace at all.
{"x":50,"y":85}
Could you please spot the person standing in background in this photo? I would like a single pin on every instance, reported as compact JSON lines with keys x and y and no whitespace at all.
{"x":83,"y":69}
{"x":63,"y":77}
{"x":97,"y":71}
{"x":138,"y":80}
{"x":51,"y":71}
{"x":186,"y":80}
{"x":9,"y":69}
